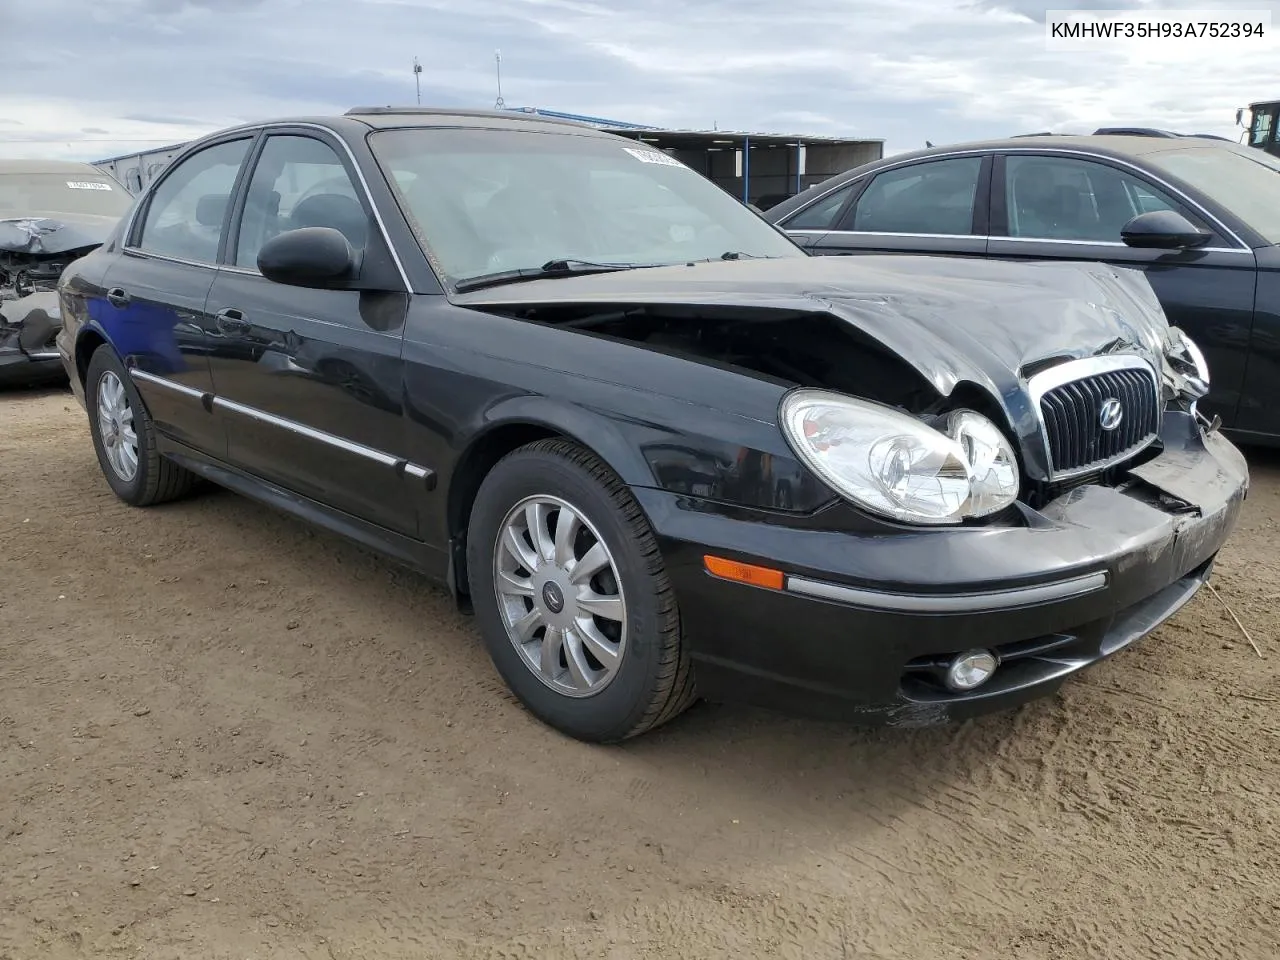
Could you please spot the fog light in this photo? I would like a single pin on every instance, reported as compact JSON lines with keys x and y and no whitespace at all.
{"x":970,"y":670}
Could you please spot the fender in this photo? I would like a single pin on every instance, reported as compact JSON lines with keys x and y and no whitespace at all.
{"x":617,"y":442}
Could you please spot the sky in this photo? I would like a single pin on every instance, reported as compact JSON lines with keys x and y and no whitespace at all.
{"x":87,"y":79}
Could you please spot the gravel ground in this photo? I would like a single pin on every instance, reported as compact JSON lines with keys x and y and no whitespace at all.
{"x":223,"y":734}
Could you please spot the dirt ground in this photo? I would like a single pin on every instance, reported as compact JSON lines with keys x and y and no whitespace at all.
{"x":223,"y":735}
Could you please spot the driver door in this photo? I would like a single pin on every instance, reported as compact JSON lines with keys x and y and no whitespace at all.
{"x":311,"y":380}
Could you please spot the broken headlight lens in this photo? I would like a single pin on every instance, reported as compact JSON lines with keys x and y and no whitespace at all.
{"x":1188,"y":363}
{"x":896,"y":465}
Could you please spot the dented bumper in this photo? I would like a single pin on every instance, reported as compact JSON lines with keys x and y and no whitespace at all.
{"x":29,"y":327}
{"x":865,"y":625}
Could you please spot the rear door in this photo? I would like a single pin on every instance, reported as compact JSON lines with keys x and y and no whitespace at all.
{"x":154,"y":313}
{"x":937,"y":206}
{"x":311,"y":380}
{"x":1063,"y":207}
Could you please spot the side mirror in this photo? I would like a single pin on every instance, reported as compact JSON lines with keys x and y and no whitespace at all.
{"x":1163,"y":230}
{"x":1239,"y":117}
{"x":308,"y":257}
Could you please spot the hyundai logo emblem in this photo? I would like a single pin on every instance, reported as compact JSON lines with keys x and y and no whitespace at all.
{"x":1111,"y":414}
{"x":553,"y":597}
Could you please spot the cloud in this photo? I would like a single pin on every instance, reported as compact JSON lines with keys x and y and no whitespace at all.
{"x":152,"y":72}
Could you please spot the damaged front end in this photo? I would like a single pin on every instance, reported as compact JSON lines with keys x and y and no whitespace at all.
{"x":34,"y":251}
{"x":1034,"y":379}
{"x":990,"y":465}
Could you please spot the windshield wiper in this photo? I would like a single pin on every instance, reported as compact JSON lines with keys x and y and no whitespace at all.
{"x":549,"y":270}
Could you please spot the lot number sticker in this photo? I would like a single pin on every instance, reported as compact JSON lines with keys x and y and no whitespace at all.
{"x":654,"y":156}
{"x":87,"y":185}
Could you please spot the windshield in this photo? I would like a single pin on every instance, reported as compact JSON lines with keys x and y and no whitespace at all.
{"x":49,"y":194}
{"x":1247,"y":185}
{"x":486,"y":201}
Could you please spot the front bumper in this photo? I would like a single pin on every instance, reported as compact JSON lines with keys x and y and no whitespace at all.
{"x":864,"y":624}
{"x":28,"y":332}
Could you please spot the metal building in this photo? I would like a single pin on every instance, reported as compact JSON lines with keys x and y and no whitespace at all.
{"x":136,"y":170}
{"x":760,"y":168}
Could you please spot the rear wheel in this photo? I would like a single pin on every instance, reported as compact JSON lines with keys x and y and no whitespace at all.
{"x":572,"y":597}
{"x":124,"y":436}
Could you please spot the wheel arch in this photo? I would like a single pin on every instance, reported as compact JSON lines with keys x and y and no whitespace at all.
{"x":511,"y":425}
{"x":87,"y":342}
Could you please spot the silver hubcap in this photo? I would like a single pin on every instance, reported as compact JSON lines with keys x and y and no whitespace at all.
{"x":560,"y":596}
{"x":115,"y":424}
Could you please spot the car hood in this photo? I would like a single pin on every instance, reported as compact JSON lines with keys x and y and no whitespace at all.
{"x":952,"y":318}
{"x":43,"y":234}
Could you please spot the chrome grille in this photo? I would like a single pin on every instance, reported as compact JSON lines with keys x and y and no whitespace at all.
{"x":1070,"y":399}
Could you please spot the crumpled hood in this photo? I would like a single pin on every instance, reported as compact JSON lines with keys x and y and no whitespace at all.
{"x":40,"y":235}
{"x":952,"y":318}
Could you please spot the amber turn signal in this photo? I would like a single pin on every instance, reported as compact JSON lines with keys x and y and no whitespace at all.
{"x":744,"y":572}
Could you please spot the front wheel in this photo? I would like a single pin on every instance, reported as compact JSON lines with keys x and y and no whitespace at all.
{"x":572,"y":597}
{"x":124,"y":436}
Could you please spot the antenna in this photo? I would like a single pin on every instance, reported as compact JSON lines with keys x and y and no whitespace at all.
{"x":497,"y":59}
{"x":417,"y":82}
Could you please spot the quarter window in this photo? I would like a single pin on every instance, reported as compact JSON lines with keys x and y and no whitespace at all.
{"x":185,"y":215}
{"x":822,"y":214}
{"x":298,"y":182}
{"x":933,"y":197}
{"x":1056,"y":198}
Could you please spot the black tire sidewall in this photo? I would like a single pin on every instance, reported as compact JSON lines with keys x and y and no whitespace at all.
{"x":615,"y":711}
{"x":132,"y":491}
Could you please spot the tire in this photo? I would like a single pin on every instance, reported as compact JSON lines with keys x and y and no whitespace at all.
{"x":651,"y":680}
{"x":154,"y":479}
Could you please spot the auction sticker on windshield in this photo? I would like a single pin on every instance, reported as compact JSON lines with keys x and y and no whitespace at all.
{"x":88,"y":185}
{"x":654,"y":156}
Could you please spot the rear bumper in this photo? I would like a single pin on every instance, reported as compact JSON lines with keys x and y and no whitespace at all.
{"x":865,"y":625}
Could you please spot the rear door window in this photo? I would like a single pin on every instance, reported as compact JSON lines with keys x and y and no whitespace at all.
{"x":186,"y":213}
{"x":934,"y":197}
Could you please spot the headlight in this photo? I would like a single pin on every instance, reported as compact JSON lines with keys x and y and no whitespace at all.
{"x":1186,"y":360}
{"x":898,"y":466}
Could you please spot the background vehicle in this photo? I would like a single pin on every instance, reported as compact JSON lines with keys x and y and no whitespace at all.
{"x":1261,"y":125}
{"x":1211,"y":254}
{"x":51,"y":212}
{"x":639,"y":447}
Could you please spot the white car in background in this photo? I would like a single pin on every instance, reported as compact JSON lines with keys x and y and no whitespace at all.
{"x":52,"y":212}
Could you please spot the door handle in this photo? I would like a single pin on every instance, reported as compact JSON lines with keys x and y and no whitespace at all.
{"x":231,"y":322}
{"x":117,"y":297}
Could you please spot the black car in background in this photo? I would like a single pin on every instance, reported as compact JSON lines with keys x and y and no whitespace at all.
{"x":1199,"y":216}
{"x":657,"y":449}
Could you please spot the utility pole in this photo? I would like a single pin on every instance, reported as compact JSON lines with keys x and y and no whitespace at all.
{"x":417,"y":81}
{"x":497,"y":59}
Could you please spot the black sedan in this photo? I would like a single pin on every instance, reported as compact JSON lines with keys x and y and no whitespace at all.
{"x":657,"y":449}
{"x":1200,"y":216}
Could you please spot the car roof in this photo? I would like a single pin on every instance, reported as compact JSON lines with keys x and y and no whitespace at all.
{"x":1107,"y":145}
{"x":386,"y":118}
{"x":49,"y":166}
{"x":454,"y":117}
